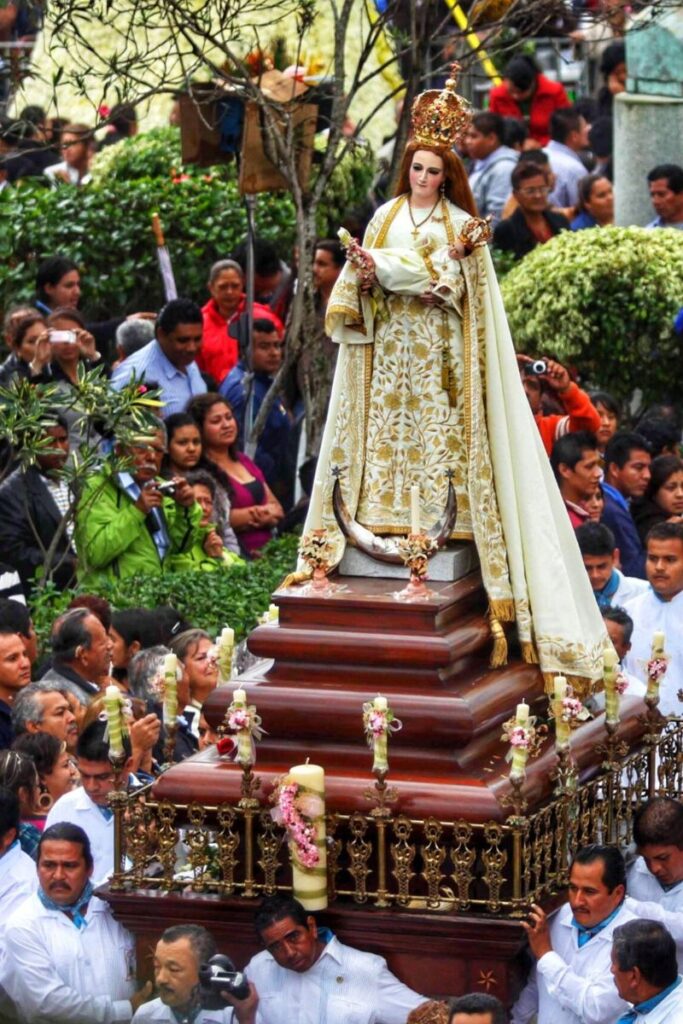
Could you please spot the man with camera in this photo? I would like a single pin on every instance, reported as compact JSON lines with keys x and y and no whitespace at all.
{"x":579,"y":412}
{"x":195,"y":985}
{"x":129,"y":522}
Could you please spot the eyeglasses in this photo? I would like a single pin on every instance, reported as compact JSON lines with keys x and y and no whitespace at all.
{"x":541,"y":191}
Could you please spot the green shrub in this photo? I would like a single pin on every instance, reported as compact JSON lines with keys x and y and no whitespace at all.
{"x":604,"y":298}
{"x":105,"y":226}
{"x":235,"y":596}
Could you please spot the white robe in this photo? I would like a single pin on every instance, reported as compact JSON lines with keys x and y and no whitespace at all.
{"x":651,"y":615}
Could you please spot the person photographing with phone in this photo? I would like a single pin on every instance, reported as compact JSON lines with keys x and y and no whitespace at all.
{"x":131,"y":522}
{"x":542,"y":374}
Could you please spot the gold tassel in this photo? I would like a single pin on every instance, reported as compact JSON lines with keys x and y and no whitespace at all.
{"x":529,"y":652}
{"x":503,"y":609}
{"x":301,"y":576}
{"x":499,"y":652}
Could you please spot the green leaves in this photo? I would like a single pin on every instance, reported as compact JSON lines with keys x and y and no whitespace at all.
{"x":604,"y":299}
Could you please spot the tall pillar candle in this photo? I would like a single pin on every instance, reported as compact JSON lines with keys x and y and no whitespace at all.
{"x":414,"y":509}
{"x":520,"y":754}
{"x":310,"y":884}
{"x":244,"y":748}
{"x":316,"y":509}
{"x":610,"y":663}
{"x":112,"y":706}
{"x":380,"y":743}
{"x":562,"y":728}
{"x":657,"y":653}
{"x":170,"y":689}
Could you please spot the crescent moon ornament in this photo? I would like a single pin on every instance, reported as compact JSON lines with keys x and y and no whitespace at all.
{"x":386,"y":549}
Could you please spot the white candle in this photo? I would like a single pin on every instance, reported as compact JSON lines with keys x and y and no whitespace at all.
{"x":610,"y":658}
{"x":522,"y":713}
{"x":414,"y":509}
{"x":239,"y":696}
{"x":273,"y":613}
{"x":658,"y":641}
{"x":170,"y":689}
{"x":610,"y":661}
{"x":562,"y":727}
{"x":380,"y":703}
{"x":560,"y":687}
{"x":310,"y":884}
{"x":227,"y":636}
{"x":657,"y":652}
{"x":315,"y":514}
{"x":112,"y":705}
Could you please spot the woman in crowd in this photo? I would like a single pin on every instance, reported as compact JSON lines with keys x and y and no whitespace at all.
{"x":610,"y":414}
{"x":184,"y":452}
{"x":57,"y":773}
{"x":194,"y":649}
{"x":595,"y":505}
{"x":132,"y":629}
{"x":529,"y":96}
{"x":220,"y":348}
{"x":596,"y":203}
{"x":663,"y":499}
{"x":18,"y":773}
{"x":31,"y":349}
{"x":254,"y":508}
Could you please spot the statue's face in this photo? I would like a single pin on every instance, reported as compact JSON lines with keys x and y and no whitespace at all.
{"x":426,"y":176}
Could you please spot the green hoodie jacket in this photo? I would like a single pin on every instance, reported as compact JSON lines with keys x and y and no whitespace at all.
{"x":112,"y":540}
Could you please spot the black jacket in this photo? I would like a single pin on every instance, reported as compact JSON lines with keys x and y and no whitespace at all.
{"x":29,"y":518}
{"x":513,"y":233}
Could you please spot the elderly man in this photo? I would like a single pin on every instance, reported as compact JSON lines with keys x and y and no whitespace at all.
{"x":15,"y":674}
{"x":178,"y":955}
{"x":81,"y":654}
{"x":660,"y":609}
{"x":67,"y":959}
{"x":571,"y":981}
{"x":306,"y":974}
{"x":88,"y":806}
{"x":645,"y":973}
{"x":169,"y":360}
{"x":533,"y":222}
{"x":45,"y":707}
{"x":129,"y":522}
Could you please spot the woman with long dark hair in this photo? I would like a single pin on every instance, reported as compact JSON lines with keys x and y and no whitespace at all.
{"x":663,"y":499}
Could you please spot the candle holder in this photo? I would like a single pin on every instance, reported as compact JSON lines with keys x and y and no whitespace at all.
{"x":565,"y":772}
{"x":171,"y":729}
{"x":316,"y":550}
{"x":117,"y":761}
{"x":516,"y":799}
{"x":613,"y":748}
{"x":250,"y":785}
{"x":381,"y":795}
{"x":415,"y":550}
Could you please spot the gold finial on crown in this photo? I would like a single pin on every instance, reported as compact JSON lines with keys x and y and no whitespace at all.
{"x":439,"y":118}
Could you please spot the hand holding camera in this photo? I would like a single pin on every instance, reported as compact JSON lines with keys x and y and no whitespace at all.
{"x":554,"y":373}
{"x":220,"y":984}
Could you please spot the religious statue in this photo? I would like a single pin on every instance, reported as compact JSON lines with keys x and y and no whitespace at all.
{"x":427,"y":389}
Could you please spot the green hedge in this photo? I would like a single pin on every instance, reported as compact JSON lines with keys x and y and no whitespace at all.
{"x":605,"y":299}
{"x":235,"y":596}
{"x":105,"y":227}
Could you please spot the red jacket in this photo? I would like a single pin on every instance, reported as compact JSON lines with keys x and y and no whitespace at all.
{"x":549,"y":96}
{"x":218,"y":353}
{"x":579,"y":414}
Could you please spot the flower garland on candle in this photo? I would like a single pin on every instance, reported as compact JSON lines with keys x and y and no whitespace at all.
{"x":378,"y":722}
{"x":316,"y":549}
{"x":573,"y":711}
{"x":295,"y":810}
{"x":621,"y":684}
{"x":527,"y":737}
{"x":243,"y":720}
{"x":415,"y":550}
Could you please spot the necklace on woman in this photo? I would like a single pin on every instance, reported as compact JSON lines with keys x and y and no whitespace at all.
{"x":416,"y":225}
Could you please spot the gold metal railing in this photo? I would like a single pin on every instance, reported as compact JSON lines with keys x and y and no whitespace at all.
{"x":382,"y":858}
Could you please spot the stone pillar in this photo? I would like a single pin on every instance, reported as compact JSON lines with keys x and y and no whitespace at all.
{"x":648,"y":130}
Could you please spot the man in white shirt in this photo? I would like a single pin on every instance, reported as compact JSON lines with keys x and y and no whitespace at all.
{"x":571,"y":982}
{"x":660,"y":609}
{"x":306,"y":975}
{"x":568,"y":136}
{"x":601,"y":558}
{"x":493,"y":164}
{"x":88,"y":806}
{"x":646,"y":973}
{"x":177,"y":958}
{"x":66,"y":958}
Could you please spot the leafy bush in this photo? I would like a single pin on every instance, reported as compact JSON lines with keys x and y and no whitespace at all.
{"x":105,"y":227}
{"x":235,"y":596}
{"x":604,"y":298}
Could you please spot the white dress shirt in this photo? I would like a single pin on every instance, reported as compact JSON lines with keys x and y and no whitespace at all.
{"x":18,"y":881}
{"x":344,"y":986}
{"x":54,"y":971}
{"x":649,"y":614}
{"x":156,"y":1012}
{"x":77,"y":808}
{"x":573,"y":985}
{"x":629,"y":587}
{"x":647,"y":899}
{"x":568,"y":169}
{"x":669,"y":1011}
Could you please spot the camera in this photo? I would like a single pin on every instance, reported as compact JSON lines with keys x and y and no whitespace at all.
{"x":166,"y":487}
{"x":63,"y":336}
{"x":219,"y":975}
{"x":536,"y":368}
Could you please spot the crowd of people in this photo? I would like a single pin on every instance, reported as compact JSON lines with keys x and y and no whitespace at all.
{"x":190,"y":497}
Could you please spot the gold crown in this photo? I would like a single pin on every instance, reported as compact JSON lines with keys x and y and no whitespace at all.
{"x":439,"y":118}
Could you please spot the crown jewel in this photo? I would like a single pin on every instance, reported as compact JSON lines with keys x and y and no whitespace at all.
{"x":439,"y":118}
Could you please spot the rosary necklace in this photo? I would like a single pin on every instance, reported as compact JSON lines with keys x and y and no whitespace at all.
{"x":418,"y":225}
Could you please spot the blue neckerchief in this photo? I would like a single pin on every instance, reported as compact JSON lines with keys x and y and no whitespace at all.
{"x":325,"y":935}
{"x":604,"y":596}
{"x":162,"y":541}
{"x":617,"y":495}
{"x":72,"y":909}
{"x":106,"y":812}
{"x":649,"y":1004}
{"x":586,"y":934}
